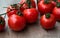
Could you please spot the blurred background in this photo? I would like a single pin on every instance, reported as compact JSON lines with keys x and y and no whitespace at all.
{"x":6,"y":3}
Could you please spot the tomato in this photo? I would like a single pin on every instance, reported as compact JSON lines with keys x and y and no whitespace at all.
{"x":31,"y":15}
{"x":23,"y":7}
{"x":16,"y":22}
{"x":24,"y":4}
{"x":12,"y":9}
{"x":2,"y":23}
{"x":56,"y":12}
{"x":48,"y":21}
{"x":45,"y":7}
{"x":11,"y":12}
{"x":33,"y":3}
{"x":55,"y":1}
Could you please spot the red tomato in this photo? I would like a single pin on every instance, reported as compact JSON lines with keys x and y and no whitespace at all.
{"x":2,"y":23}
{"x":25,"y":5}
{"x":54,"y":2}
{"x":45,"y":8}
{"x":48,"y":21}
{"x":33,"y":3}
{"x":16,"y":23}
{"x":31,"y":15}
{"x":12,"y":9}
{"x":11,"y":12}
{"x":56,"y":12}
{"x":58,"y":0}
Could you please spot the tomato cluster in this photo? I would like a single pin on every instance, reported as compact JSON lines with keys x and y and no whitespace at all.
{"x":25,"y":12}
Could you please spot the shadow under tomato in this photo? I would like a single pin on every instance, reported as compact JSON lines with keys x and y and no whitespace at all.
{"x":50,"y":29}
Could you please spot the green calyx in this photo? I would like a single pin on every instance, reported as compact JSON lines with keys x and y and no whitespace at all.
{"x":46,"y":1}
{"x":19,"y":13}
{"x":14,"y":6}
{"x":55,"y":0}
{"x":29,"y":3}
{"x":58,"y":4}
{"x":47,"y":15}
{"x":2,"y":21}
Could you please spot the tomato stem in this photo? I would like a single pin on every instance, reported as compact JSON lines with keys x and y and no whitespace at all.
{"x":58,"y":4}
{"x":29,"y":3}
{"x":38,"y":1}
{"x":48,"y":15}
{"x":5,"y":7}
{"x":55,"y":0}
{"x":19,"y":13}
{"x":46,"y":1}
{"x":3,"y":14}
{"x":1,"y":21}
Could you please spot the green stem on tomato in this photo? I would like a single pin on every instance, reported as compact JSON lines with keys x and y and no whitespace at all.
{"x":46,"y":1}
{"x":55,"y":0}
{"x":19,"y":13}
{"x":3,"y":14}
{"x":2,"y":22}
{"x":38,"y":1}
{"x":58,"y":4}
{"x":29,"y":3}
{"x":47,"y":15}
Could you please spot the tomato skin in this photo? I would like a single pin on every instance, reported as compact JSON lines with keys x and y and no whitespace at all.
{"x":25,"y":5}
{"x":16,"y":23}
{"x":2,"y":27}
{"x":31,"y":15}
{"x":33,"y":3}
{"x":54,"y":3}
{"x":45,"y":8}
{"x":56,"y":13}
{"x":11,"y":13}
{"x":48,"y":23}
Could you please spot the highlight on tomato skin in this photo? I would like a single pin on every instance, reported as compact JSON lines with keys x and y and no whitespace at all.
{"x":45,"y":7}
{"x":48,"y":21}
{"x":16,"y":22}
{"x":31,"y":15}
{"x":56,"y":11}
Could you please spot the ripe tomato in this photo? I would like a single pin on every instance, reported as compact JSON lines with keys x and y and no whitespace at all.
{"x":11,"y":12}
{"x":31,"y":15}
{"x":33,"y":3}
{"x":24,"y":4}
{"x":48,"y":21}
{"x":12,"y":9}
{"x":54,"y":2}
{"x":56,"y":12}
{"x":23,"y":7}
{"x":45,"y":7}
{"x":2,"y":23}
{"x":16,"y":23}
